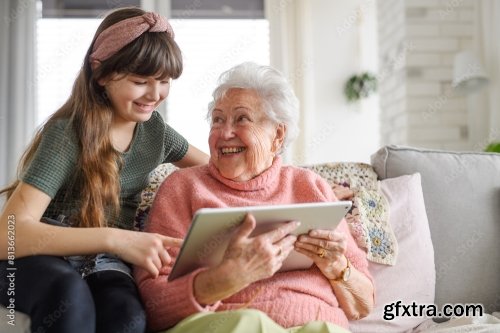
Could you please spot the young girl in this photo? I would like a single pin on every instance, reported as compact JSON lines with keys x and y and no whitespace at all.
{"x":82,"y":176}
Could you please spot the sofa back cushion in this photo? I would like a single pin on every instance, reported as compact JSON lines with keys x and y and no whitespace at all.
{"x":462,"y":198}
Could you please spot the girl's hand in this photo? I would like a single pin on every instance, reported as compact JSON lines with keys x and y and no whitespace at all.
{"x":326,"y":248}
{"x":146,"y":250}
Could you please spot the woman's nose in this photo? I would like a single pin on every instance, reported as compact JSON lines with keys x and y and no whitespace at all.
{"x":227,"y":131}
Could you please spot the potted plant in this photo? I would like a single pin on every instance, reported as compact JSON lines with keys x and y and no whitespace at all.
{"x":360,"y":86}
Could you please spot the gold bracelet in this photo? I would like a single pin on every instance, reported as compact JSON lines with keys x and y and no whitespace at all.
{"x":345,"y":274}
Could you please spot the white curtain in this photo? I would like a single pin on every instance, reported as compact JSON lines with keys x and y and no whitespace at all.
{"x":488,"y":48}
{"x":17,"y":82}
{"x":290,"y":48}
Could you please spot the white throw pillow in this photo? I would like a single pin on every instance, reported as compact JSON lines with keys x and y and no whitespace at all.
{"x":413,"y":278}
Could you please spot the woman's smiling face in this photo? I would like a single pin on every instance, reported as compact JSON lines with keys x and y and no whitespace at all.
{"x":243,"y":140}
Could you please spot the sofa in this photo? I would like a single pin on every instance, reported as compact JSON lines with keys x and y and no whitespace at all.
{"x":444,"y":211}
{"x":461,"y":198}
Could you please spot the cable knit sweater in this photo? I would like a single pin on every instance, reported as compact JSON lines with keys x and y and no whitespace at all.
{"x":290,"y":298}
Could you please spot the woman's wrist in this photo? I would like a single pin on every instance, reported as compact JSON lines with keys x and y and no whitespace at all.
{"x":217,"y":283}
{"x":345,"y":273}
{"x":335,"y":270}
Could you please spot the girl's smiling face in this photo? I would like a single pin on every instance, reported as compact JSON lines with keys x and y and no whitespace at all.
{"x":133,"y":97}
{"x":243,"y":140}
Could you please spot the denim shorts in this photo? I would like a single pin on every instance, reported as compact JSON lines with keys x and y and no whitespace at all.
{"x":89,"y":264}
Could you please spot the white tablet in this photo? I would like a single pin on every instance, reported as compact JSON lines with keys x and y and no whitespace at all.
{"x":212,"y":228}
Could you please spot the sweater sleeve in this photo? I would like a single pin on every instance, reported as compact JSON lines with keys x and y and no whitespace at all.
{"x":168,"y":302}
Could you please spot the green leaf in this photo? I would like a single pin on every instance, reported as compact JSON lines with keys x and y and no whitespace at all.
{"x":493,"y":147}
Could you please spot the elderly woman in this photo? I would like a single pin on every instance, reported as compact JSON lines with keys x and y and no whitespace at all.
{"x":253,"y":118}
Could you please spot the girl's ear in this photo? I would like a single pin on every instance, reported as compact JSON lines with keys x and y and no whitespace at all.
{"x":94,"y":65}
{"x":102,"y":82}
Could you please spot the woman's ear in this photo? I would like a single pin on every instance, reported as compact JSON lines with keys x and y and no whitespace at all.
{"x":279,"y":138}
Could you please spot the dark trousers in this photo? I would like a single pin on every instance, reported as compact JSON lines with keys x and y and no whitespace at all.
{"x":58,"y":300}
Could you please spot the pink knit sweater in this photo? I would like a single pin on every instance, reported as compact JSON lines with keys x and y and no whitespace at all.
{"x":290,"y":298}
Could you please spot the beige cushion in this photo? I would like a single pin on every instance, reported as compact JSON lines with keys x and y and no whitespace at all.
{"x":415,"y":264}
{"x":462,"y":198}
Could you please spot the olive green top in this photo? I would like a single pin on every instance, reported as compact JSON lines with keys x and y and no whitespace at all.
{"x":53,"y":166}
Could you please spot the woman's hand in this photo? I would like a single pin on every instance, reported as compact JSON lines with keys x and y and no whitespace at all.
{"x":246,"y":260}
{"x":326,"y":248}
{"x":146,"y":250}
{"x":342,"y":192}
{"x":259,"y":257}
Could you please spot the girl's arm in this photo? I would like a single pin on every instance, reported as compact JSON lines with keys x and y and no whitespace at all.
{"x":22,"y":234}
{"x":193,"y":157}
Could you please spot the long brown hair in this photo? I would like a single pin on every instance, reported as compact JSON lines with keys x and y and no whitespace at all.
{"x":89,"y":114}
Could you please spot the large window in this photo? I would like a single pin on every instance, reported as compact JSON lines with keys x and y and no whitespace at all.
{"x":61,"y":47}
{"x":209,"y":45}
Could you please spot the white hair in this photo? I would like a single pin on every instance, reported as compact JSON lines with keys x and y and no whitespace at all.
{"x":280,"y":103}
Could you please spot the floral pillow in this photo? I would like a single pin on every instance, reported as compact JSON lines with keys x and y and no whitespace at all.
{"x":368,"y":218}
{"x":156,"y":177}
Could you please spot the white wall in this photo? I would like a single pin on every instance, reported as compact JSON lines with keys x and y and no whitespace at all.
{"x":336,"y":129}
{"x":419,"y":106}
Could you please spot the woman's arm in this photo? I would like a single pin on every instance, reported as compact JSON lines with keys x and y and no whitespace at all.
{"x":168,"y":302}
{"x":355,"y":295}
{"x":23,"y":235}
{"x":328,"y":249}
{"x":193,"y":157}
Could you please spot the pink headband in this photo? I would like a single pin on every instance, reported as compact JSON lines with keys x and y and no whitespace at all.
{"x":124,"y":32}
